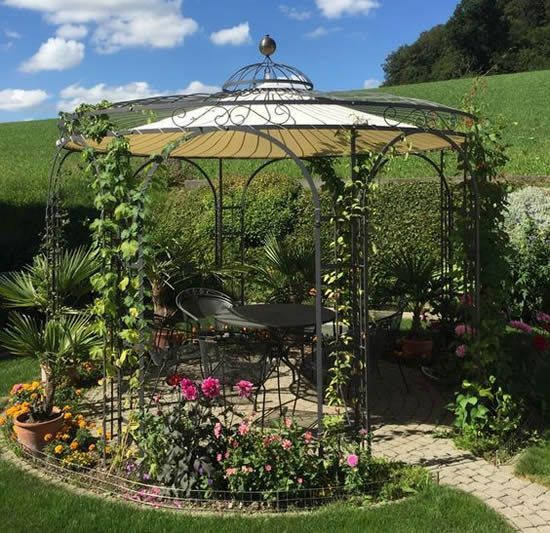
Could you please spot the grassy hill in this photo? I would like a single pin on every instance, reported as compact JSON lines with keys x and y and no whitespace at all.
{"x":522,"y":100}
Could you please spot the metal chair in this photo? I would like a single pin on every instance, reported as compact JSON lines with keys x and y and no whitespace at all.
{"x":168,"y":346}
{"x":198,"y":305}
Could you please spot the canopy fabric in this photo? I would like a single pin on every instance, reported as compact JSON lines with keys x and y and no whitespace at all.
{"x":305,"y":124}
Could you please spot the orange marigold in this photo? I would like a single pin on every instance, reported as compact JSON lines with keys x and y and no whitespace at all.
{"x":58,"y":449}
{"x":67,"y":416}
{"x":74,"y":445}
{"x":48,"y":437}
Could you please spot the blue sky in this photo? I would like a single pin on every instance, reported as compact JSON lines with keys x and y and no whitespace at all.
{"x":56,"y":53}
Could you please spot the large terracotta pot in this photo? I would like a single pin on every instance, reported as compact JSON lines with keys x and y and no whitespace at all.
{"x":31,"y":434}
{"x":413,"y":348}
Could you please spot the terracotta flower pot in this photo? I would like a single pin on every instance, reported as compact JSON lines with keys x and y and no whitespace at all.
{"x":414,"y":348}
{"x":31,"y":434}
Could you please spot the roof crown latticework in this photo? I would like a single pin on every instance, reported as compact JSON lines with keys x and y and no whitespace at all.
{"x":279,"y":100}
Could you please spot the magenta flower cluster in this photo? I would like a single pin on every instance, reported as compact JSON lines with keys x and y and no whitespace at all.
{"x":521,"y":326}
{"x":210,"y":387}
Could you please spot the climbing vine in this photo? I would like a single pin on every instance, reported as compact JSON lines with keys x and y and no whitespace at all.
{"x":122,"y":204}
{"x":486,"y":157}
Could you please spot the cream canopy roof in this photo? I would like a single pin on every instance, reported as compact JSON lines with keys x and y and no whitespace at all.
{"x":267,"y":106}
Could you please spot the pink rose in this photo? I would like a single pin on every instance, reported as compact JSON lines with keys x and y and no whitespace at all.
{"x":300,"y":481}
{"x":244,"y":428}
{"x":244,"y":388}
{"x":217,"y":430}
{"x":288,"y":423}
{"x":308,"y":436}
{"x":352,"y":460}
{"x":461,"y":351}
{"x":462,"y":329}
{"x":211,"y":387}
{"x":267,"y":468}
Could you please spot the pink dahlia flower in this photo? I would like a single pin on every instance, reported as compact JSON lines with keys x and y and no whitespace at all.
{"x":244,"y":388}
{"x":189,"y":390}
{"x":211,"y":387}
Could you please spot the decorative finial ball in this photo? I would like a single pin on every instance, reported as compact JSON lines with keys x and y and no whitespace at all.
{"x":268,"y":46}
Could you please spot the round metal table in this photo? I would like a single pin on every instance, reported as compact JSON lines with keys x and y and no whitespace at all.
{"x":273,"y":316}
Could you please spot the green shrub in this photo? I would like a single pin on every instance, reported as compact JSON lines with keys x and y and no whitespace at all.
{"x":527,"y":221}
{"x":486,"y":419}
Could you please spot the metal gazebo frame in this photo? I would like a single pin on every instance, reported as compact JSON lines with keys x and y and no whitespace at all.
{"x":256,"y":115}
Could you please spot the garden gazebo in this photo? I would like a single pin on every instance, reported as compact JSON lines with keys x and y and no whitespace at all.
{"x":269,"y":112}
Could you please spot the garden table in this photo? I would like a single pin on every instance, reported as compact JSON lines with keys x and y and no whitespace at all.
{"x":282,"y":317}
{"x":283,"y":321}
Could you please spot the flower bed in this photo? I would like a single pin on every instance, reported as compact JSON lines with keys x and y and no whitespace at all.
{"x":202,"y":453}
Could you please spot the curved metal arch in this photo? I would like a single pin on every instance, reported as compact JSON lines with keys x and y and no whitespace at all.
{"x":53,"y":227}
{"x":463,"y":151}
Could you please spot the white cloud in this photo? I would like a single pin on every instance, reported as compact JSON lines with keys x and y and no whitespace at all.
{"x":119,"y":23}
{"x":236,"y":35}
{"x":10,"y":34}
{"x":295,"y":13}
{"x":17,"y":99}
{"x":55,"y":54}
{"x":321,"y":31}
{"x":72,"y":31}
{"x":371,"y":84}
{"x":336,"y":8}
{"x":74,"y":95}
{"x":199,"y":87}
{"x":159,"y":31}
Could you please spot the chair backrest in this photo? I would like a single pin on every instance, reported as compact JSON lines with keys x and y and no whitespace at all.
{"x":200,"y":303}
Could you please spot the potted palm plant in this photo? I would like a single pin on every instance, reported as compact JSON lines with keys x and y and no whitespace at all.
{"x":56,"y":343}
{"x":285,"y":270}
{"x":415,"y":278}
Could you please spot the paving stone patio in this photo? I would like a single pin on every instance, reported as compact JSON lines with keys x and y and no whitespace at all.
{"x":405,"y":425}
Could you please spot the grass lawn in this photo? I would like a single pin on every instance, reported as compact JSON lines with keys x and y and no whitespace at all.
{"x":54,"y":509}
{"x":16,"y":369}
{"x":534,"y":463}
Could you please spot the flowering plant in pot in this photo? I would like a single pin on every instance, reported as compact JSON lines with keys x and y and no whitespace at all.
{"x":53,"y":343}
{"x":415,"y":278}
{"x":56,"y":342}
